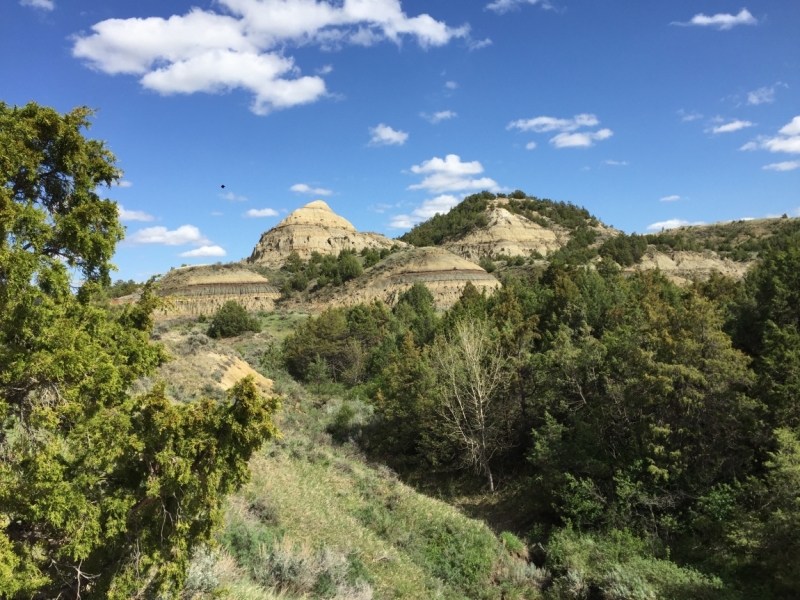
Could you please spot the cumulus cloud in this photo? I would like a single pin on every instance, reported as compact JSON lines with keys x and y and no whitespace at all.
{"x":441,"y":205}
{"x":721,"y":21}
{"x":451,"y":175}
{"x":302,"y":188}
{"x":503,"y":6}
{"x":530,"y":145}
{"x":616,"y":163}
{"x":185,"y":234}
{"x":581,"y":139}
{"x":383,"y":135}
{"x":672,"y":224}
{"x":43,"y":4}
{"x":325,"y":70}
{"x":231,"y":197}
{"x":133,"y":215}
{"x":764,"y":95}
{"x":731,"y":127}
{"x":672,"y":198}
{"x":204,"y":251}
{"x":123,"y":183}
{"x":438,"y":117}
{"x":243,"y":47}
{"x":569,"y":136}
{"x":787,"y":140}
{"x":790,"y":165}
{"x":451,"y":85}
{"x":255,"y":213}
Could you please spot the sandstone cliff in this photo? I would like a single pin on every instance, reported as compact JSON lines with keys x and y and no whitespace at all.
{"x":444,"y":273}
{"x":202,"y":290}
{"x":313,"y":228}
{"x":683,"y":267}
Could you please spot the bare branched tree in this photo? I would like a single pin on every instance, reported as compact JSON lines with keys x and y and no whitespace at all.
{"x":473,"y":374}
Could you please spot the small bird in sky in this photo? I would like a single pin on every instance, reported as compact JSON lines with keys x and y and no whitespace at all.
{"x":222,"y":186}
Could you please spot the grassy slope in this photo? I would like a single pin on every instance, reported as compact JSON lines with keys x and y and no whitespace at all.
{"x":309,"y":495}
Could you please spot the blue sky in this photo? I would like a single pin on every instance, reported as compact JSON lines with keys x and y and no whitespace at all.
{"x":647,"y":113}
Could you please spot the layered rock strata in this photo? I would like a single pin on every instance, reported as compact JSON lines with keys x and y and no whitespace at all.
{"x":508,"y":234}
{"x":444,"y":274}
{"x":313,"y":228}
{"x":684,"y":267}
{"x":195,"y":291}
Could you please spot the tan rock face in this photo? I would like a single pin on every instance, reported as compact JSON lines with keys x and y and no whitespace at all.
{"x":203,"y":290}
{"x":683,"y":267}
{"x":444,"y":273}
{"x":313,"y":228}
{"x":507,"y":234}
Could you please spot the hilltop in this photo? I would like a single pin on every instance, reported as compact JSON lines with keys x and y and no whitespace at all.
{"x":313,"y":228}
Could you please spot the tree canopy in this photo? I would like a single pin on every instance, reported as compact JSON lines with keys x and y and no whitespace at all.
{"x":103,"y":493}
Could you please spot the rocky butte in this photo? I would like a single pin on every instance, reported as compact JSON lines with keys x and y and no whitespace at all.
{"x":313,"y":228}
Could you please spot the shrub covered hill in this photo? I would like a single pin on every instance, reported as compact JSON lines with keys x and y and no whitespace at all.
{"x":516,"y":228}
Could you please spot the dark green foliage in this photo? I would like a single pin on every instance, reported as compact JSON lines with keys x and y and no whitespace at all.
{"x":544,"y":211}
{"x":349,"y":267}
{"x":232,"y":320}
{"x":625,"y":250}
{"x":487,"y":264}
{"x":328,"y":269}
{"x":122,"y":288}
{"x":416,"y":311}
{"x":103,"y":493}
{"x":462,"y":218}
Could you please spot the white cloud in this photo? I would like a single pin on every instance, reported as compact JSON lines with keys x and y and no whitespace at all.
{"x":783,"y":166}
{"x":43,"y":4}
{"x":451,"y":175}
{"x":478,"y":44}
{"x":231,"y":197}
{"x":530,"y":145}
{"x":133,"y":215}
{"x":721,"y":21}
{"x":672,"y":224}
{"x":787,"y":140}
{"x":204,"y":251}
{"x":580,"y":140}
{"x":216,"y":213}
{"x":302,"y":188}
{"x":243,"y":47}
{"x":325,"y":70}
{"x":451,"y":85}
{"x":732,"y":126}
{"x":792,"y":128}
{"x":383,"y":135}
{"x":672,"y":198}
{"x":503,"y":6}
{"x":123,"y":183}
{"x":544,"y":124}
{"x":255,"y":213}
{"x":692,"y":116}
{"x":441,"y":205}
{"x":185,"y":234}
{"x":438,"y":117}
{"x":764,"y":95}
{"x":616,"y":163}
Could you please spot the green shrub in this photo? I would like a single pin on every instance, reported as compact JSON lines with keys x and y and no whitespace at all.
{"x":513,"y":544}
{"x":486,"y":264}
{"x":232,"y":320}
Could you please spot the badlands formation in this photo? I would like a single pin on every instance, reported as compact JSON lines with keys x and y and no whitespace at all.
{"x":444,"y":274}
{"x":509,"y":234}
{"x":684,"y":267}
{"x":313,"y":228}
{"x":202,"y":290}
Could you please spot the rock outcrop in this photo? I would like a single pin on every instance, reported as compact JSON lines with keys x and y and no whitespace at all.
{"x":202,"y":290}
{"x":508,"y":234}
{"x":684,"y":267}
{"x":313,"y":228}
{"x":444,"y":273}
